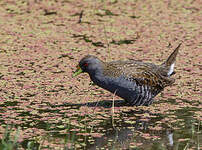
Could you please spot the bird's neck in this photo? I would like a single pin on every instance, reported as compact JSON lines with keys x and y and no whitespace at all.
{"x":97,"y":75}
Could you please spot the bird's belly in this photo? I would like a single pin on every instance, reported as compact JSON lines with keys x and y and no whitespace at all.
{"x":128,"y":90}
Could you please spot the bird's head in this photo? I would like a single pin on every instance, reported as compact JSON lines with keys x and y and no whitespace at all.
{"x":89,"y":64}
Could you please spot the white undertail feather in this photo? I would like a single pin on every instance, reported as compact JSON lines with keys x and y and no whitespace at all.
{"x":171,"y":69}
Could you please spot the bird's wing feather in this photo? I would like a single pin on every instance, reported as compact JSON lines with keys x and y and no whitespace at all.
{"x":143,"y":73}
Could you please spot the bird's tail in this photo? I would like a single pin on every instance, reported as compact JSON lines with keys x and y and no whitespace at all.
{"x":170,"y":62}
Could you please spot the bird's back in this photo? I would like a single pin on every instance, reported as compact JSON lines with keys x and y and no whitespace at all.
{"x":144,"y":73}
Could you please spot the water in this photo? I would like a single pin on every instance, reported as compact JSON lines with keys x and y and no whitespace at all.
{"x":72,"y":126}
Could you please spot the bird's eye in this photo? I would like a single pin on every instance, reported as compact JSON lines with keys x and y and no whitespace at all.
{"x":85,"y":64}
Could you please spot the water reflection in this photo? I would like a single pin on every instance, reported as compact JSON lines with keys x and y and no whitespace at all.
{"x":132,"y":129}
{"x":141,"y":136}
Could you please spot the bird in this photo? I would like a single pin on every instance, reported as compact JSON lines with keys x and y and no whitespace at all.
{"x":135,"y":81}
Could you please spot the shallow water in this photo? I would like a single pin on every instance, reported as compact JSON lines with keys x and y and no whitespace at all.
{"x":134,"y":128}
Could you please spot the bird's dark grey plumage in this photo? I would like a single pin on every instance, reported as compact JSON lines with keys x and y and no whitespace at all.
{"x":135,"y":81}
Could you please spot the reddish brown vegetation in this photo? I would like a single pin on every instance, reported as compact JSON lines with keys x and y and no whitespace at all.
{"x":41,"y":43}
